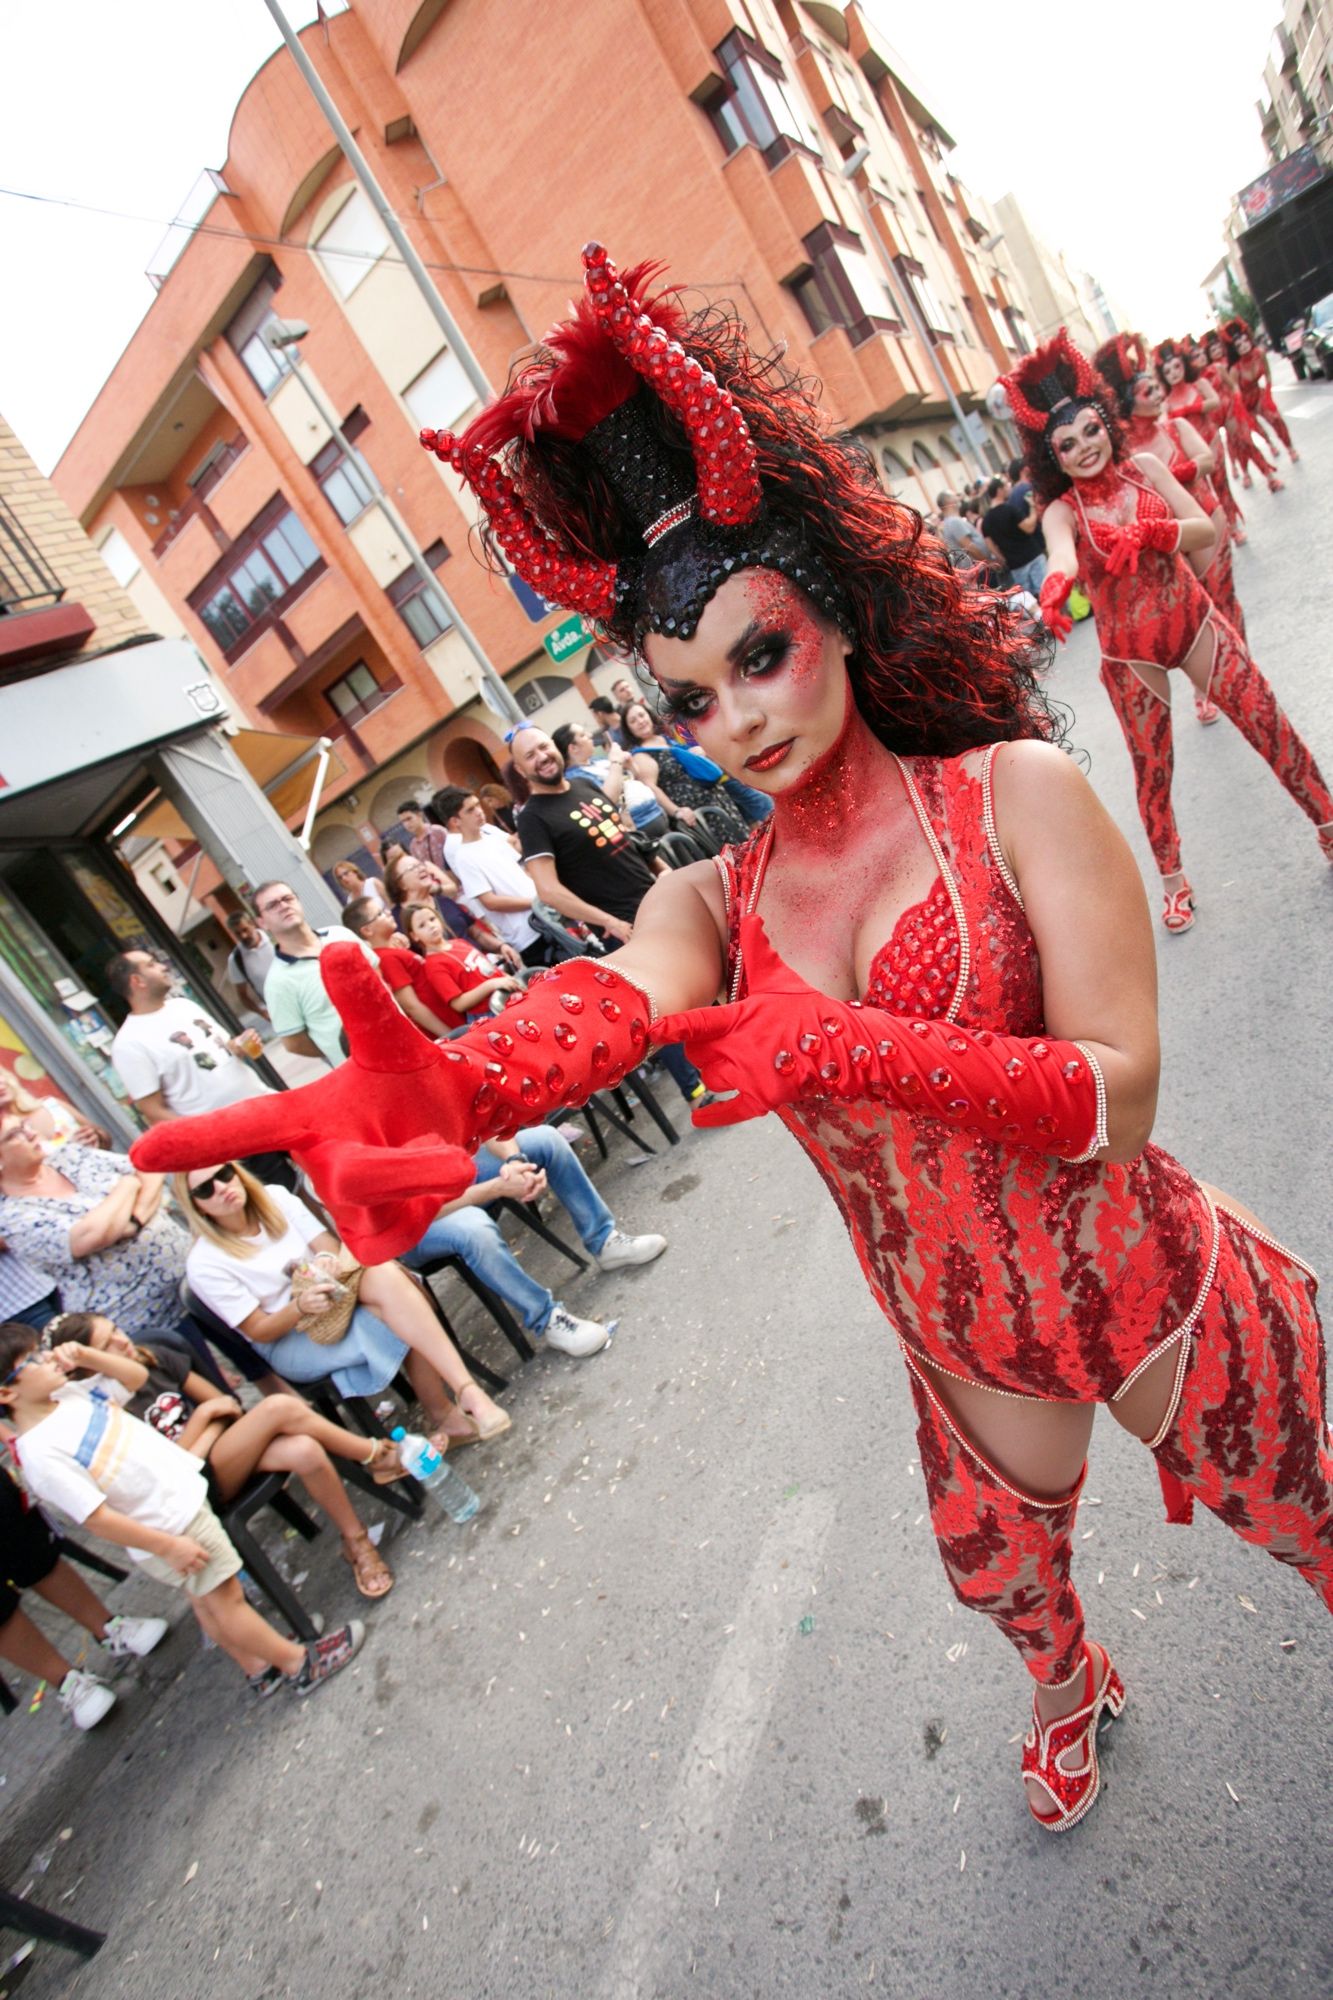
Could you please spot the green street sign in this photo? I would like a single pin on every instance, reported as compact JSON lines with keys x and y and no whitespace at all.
{"x":567,"y":639}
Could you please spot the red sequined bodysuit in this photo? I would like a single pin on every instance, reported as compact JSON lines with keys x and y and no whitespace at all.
{"x":1256,"y":393}
{"x":1006,"y":1266}
{"x":1162,"y":438}
{"x":1155,"y":614}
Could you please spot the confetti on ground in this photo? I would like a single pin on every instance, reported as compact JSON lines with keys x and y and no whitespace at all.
{"x":1137,"y":1614}
{"x":1234,"y":1795}
{"x":807,"y":1624}
{"x":190,"y":1873}
{"x":1246,"y":1604}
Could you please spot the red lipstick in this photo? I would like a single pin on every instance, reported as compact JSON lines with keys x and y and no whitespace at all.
{"x":768,"y":760}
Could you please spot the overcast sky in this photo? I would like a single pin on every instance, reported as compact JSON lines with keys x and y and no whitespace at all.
{"x":120,"y":106}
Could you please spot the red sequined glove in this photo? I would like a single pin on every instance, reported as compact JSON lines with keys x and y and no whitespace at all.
{"x":786,"y":1042}
{"x":1185,"y":470}
{"x":1054,"y":591}
{"x":1120,"y":547}
{"x":1162,"y":535}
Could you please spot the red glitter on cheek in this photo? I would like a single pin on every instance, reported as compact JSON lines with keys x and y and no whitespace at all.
{"x":776,"y":605}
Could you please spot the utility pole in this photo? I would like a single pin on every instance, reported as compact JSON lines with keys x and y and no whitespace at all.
{"x":360,"y":166}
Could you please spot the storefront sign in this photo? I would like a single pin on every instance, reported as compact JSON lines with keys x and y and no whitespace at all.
{"x":567,"y":639}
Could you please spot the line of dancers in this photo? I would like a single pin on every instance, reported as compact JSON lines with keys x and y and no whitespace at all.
{"x":1141,"y":514}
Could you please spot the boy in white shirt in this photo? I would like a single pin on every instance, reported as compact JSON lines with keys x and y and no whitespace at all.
{"x":81,"y":1452}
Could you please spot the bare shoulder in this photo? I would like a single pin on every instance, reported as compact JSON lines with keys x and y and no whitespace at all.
{"x":1039,"y":789}
{"x":1058,"y":513}
{"x":685,"y":895}
{"x":1149,"y":465}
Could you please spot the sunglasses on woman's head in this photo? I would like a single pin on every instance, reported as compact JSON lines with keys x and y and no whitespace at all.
{"x":202,"y":1190}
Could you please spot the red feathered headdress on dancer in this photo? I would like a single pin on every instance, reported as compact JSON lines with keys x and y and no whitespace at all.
{"x":1232,"y":331}
{"x":1049,"y":388}
{"x":1174,"y":350}
{"x":1120,"y":362}
{"x":639,"y":459}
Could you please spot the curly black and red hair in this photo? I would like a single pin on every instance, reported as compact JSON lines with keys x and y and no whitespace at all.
{"x":1174,"y":350}
{"x":937,"y":665}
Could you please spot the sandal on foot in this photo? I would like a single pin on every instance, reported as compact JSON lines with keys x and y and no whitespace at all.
{"x":1178,"y":909}
{"x":384,"y":1464}
{"x":480,"y":1433}
{"x":1207,"y":711}
{"x":1060,"y":1757}
{"x":1275,"y":485}
{"x":371,"y":1573}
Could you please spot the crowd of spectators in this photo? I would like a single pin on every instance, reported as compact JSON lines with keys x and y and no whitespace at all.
{"x":127,"y":1306}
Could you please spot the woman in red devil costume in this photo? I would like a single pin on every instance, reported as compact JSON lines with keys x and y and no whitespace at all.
{"x":1123,"y":525}
{"x":1242,"y":444}
{"x":1178,"y":444}
{"x":1192,"y":397}
{"x":1253,"y":377}
{"x":935,"y":965}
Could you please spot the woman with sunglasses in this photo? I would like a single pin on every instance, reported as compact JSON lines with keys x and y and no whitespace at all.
{"x":95,"y":1226}
{"x":279,"y":1434}
{"x":249,"y":1238}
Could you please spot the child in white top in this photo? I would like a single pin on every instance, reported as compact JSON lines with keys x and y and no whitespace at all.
{"x":80,"y":1451}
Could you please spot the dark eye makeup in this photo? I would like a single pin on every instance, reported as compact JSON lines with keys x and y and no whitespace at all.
{"x":765,"y":654}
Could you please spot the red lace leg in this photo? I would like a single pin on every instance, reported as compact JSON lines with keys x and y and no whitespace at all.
{"x":1145,"y":720}
{"x":1220,"y":583}
{"x":1006,"y":1556}
{"x":1248,"y":451}
{"x":1243,"y":695}
{"x":1250,"y":1435}
{"x":1275,"y":420}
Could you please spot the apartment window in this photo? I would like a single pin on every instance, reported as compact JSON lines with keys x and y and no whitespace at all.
{"x":119,"y":557}
{"x":757,"y":105}
{"x":245,"y":333}
{"x":357,"y":692}
{"x":352,"y":245}
{"x":258,"y":575}
{"x":441,"y":394}
{"x":343,"y":486}
{"x":841,"y":287}
{"x":419,"y":604}
{"x":913,"y":277}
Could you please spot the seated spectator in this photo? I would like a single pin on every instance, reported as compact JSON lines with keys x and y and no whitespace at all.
{"x":25,"y":1294}
{"x":651,"y":811}
{"x":280,"y":1434}
{"x":353,"y":882}
{"x":413,"y":881}
{"x":684,"y":776}
{"x":50,"y":1117}
{"x":521,"y":1169}
{"x":30,"y":1559}
{"x":607,"y":713}
{"x":93,"y":1226}
{"x":491,"y":877}
{"x":456,"y":980}
{"x":80,"y":1451}
{"x":497,"y":806}
{"x":400,"y":965}
{"x":248,"y":1238}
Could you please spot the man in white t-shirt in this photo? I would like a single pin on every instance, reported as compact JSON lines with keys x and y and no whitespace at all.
{"x":173,"y":1058}
{"x":491,"y":878}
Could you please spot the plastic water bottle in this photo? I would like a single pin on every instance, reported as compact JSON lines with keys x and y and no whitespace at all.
{"x":439,"y":1478}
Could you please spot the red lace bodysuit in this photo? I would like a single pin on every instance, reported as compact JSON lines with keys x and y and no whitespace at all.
{"x":999,"y":1264}
{"x":1154,"y":615}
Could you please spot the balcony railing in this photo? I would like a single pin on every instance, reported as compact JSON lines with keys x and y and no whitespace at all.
{"x":25,"y":578}
{"x":235,"y":448}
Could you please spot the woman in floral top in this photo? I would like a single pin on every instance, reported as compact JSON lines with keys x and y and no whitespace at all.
{"x":94,"y":1225}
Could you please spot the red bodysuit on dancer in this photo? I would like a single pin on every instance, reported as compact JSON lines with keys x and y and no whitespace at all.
{"x":1253,"y":378}
{"x":1119,"y":528}
{"x":1242,"y":441}
{"x":1193,"y":397}
{"x":1028,"y":1246}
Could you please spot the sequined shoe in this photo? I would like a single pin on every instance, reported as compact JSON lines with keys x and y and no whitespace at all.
{"x":1276,"y":485}
{"x":1207,"y":711}
{"x":1060,"y":1757}
{"x":1178,"y":909}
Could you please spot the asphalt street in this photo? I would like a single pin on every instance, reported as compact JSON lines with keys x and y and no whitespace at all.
{"x":689,"y":1709}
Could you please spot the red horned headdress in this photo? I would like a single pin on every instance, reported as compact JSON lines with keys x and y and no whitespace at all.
{"x":1120,"y":361}
{"x":618,"y":473}
{"x":1045,"y":382}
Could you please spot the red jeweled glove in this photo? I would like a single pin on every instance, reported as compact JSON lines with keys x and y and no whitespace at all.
{"x":1163,"y":535}
{"x":786,"y":1042}
{"x":1185,"y":470}
{"x":1054,"y":591}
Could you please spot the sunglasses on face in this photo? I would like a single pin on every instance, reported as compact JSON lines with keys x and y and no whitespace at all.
{"x":25,"y":1361}
{"x":205,"y":1190}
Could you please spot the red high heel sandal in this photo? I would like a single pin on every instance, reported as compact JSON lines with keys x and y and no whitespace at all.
{"x":1061,"y":1756}
{"x":1178,"y":909}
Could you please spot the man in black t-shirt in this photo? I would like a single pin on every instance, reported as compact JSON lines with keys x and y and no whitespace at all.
{"x":580,"y":857}
{"x":1010,"y":526}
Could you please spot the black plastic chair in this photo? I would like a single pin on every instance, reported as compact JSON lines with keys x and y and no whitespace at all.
{"x":678,"y":850}
{"x":719,"y":826}
{"x":493,"y":1304}
{"x":269,"y":1489}
{"x":30,"y":1920}
{"x":526,"y":1213}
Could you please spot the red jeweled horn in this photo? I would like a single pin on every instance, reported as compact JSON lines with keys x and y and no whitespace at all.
{"x":724,"y":453}
{"x":580,"y":583}
{"x":1049,"y":365}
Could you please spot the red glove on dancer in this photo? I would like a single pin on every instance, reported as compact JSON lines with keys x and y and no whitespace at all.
{"x":387,"y":1137}
{"x":786,"y":1043}
{"x":1184,"y":470}
{"x":1051,"y":602}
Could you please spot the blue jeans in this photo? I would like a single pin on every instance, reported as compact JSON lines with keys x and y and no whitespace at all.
{"x":474,"y":1235}
{"x":1030,"y":575}
{"x":753,"y":806}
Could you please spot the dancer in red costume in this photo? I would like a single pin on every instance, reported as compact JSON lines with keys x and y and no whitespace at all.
{"x":1242,"y":443}
{"x":1121,"y":525}
{"x":1253,"y":377}
{"x":1178,"y":444}
{"x":1192,"y":397}
{"x":937,"y":969}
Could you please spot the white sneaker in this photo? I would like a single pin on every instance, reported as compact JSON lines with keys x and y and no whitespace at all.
{"x":574,"y":1336}
{"x":133,"y":1635}
{"x":84,"y":1699}
{"x":620,"y":1249}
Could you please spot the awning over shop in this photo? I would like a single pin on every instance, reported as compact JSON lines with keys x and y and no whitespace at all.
{"x":287,"y":770}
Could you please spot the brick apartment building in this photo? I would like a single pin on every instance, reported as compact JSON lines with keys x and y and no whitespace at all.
{"x":775,"y":154}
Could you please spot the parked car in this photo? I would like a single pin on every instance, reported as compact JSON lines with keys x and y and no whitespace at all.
{"x":1318,"y":341}
{"x":1293,"y":337}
